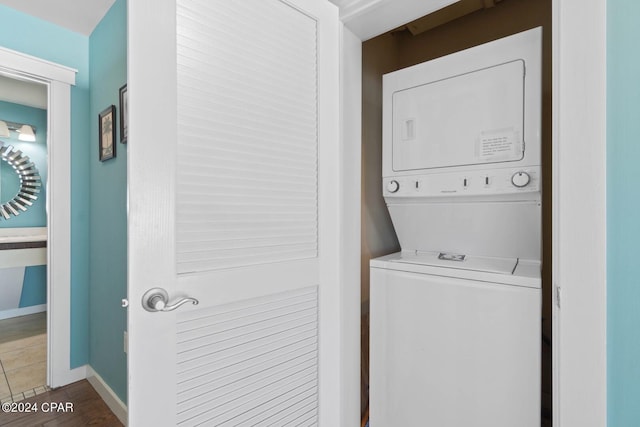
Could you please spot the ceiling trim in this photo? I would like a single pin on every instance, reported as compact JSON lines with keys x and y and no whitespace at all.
{"x":350,"y":10}
{"x":370,"y":18}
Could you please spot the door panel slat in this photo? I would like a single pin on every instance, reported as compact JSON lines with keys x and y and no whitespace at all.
{"x":278,"y":416}
{"x":247,"y":128}
{"x":202,"y":384}
{"x":241,"y":309}
{"x":255,"y":355}
{"x":301,"y":313}
{"x":247,"y":361}
{"x":229,"y":350}
{"x":234,"y":391}
{"x":285,"y":393}
{"x":254,"y":417}
{"x":230,"y":338}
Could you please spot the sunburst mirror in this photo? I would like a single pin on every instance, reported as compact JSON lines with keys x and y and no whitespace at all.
{"x":21,"y":183}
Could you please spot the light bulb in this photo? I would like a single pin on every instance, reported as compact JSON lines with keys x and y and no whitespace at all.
{"x":4,"y":130}
{"x":26,"y":134}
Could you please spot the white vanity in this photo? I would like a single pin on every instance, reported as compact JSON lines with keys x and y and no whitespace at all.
{"x":19,"y":248}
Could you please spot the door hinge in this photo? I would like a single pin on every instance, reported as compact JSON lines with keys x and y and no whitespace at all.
{"x":125,"y":302}
{"x":558,"y":296}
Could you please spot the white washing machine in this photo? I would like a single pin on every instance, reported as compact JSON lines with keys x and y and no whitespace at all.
{"x":455,"y":332}
{"x":454,"y":343}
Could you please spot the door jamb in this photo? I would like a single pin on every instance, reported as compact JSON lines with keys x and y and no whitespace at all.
{"x":59,"y":80}
{"x":579,"y":223}
{"x":350,"y":184}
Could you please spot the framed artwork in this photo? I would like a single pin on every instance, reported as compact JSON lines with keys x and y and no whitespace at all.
{"x":124,"y":113}
{"x":107,"y":133}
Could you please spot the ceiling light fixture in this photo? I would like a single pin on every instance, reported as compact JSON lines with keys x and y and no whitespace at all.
{"x":25,"y":132}
{"x":4,"y":129}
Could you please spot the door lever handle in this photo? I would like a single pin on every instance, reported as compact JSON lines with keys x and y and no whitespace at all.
{"x":157,"y":299}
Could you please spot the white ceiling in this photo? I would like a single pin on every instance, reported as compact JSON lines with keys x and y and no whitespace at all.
{"x":80,"y":16}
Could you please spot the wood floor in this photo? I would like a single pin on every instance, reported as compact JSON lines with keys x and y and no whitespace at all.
{"x":84,"y":405}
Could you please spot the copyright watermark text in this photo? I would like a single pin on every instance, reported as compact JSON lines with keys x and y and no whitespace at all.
{"x":27,"y":407}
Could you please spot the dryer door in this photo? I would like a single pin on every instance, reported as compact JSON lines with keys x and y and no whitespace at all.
{"x":468,"y":119}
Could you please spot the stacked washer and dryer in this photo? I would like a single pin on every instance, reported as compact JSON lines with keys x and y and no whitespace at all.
{"x":456,"y":315}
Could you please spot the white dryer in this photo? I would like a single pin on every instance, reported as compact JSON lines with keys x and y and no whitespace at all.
{"x":455,"y":317}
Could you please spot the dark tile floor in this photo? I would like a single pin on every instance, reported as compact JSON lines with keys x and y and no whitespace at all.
{"x":79,"y":405}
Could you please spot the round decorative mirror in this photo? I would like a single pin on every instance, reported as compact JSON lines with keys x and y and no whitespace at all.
{"x":19,"y":182}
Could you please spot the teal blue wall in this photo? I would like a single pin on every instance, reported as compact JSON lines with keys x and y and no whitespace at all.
{"x":623,"y":211}
{"x":39,"y":38}
{"x":34,"y":287}
{"x":108,"y":205}
{"x":36,"y":215}
{"x":98,"y":190}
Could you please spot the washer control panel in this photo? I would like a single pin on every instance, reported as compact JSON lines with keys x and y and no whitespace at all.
{"x":471,"y":183}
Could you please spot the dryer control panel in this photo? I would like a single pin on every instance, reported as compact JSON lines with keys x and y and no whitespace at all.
{"x":471,"y":183}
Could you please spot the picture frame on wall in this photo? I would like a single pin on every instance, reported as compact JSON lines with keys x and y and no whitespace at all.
{"x":124,"y":113}
{"x":107,"y":133}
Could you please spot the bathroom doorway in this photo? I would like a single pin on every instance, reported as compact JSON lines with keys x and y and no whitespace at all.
{"x":23,"y":237}
{"x":58,"y":80}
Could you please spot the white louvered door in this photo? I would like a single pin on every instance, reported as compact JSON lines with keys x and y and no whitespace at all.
{"x":233,"y":201}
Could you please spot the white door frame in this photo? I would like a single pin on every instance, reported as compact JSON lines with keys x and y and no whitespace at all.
{"x":579,"y":191}
{"x":579,"y":213}
{"x":58,"y":79}
{"x":351,"y":155}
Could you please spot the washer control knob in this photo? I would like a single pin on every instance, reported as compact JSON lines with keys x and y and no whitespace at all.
{"x":393,"y":186}
{"x":520,"y":179}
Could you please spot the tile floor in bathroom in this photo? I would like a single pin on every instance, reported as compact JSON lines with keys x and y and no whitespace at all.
{"x":23,"y":357}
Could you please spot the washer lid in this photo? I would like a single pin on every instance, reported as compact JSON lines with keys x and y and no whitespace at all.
{"x":459,"y":261}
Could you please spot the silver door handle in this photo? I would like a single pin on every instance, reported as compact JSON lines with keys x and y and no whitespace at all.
{"x":157,"y":299}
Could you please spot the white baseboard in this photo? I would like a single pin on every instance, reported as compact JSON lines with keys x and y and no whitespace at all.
{"x":60,"y":375}
{"x":15,"y":312}
{"x":108,"y":395}
{"x":72,"y":375}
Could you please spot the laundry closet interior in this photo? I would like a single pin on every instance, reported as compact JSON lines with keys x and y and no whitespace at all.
{"x":460,"y":26}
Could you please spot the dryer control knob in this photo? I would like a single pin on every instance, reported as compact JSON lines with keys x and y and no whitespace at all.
{"x":393,"y":186}
{"x":520,"y":179}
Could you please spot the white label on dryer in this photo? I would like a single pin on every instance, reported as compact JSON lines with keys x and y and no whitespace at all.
{"x":498,"y":145}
